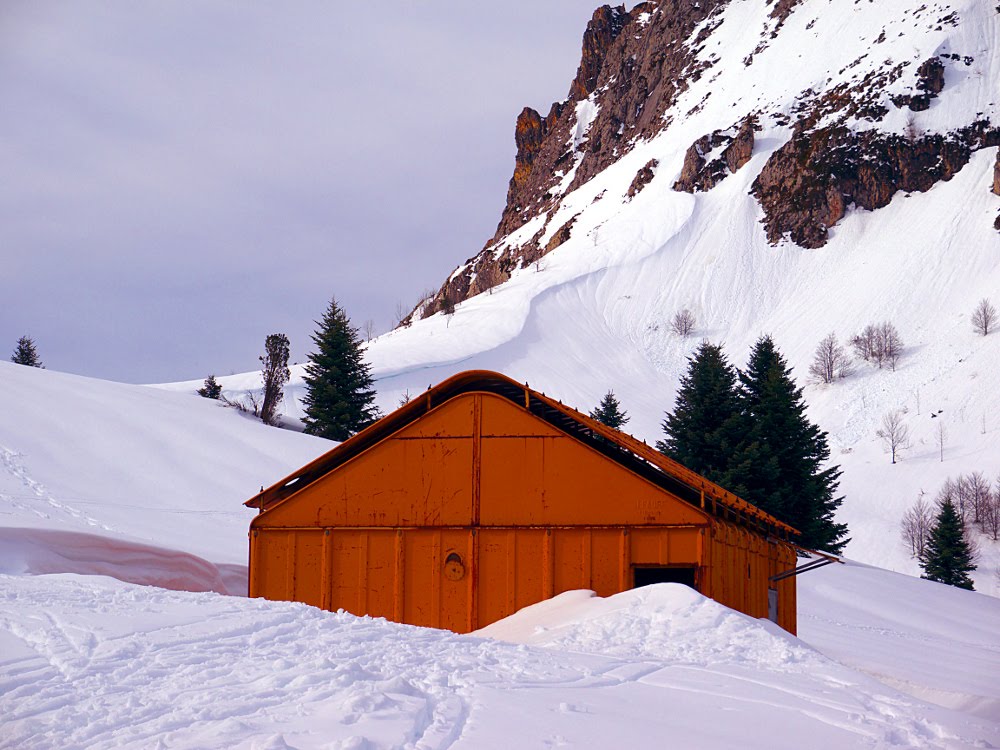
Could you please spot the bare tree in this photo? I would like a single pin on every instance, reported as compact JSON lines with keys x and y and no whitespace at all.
{"x":401,"y":315}
{"x":894,"y":433}
{"x":990,"y":517}
{"x":369,"y":329}
{"x":890,"y":344}
{"x":984,"y":317}
{"x":683,"y":323}
{"x":977,"y":491}
{"x":865,"y":343}
{"x":405,"y":398}
{"x":940,"y":437}
{"x":274,"y":372}
{"x":879,"y":344}
{"x":916,"y":526}
{"x":249,"y":404}
{"x":830,"y":361}
{"x":961,"y":497}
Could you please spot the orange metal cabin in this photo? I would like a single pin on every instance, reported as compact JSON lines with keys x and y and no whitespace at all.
{"x":482,"y":496}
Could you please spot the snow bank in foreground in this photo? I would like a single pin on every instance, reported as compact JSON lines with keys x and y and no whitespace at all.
{"x":88,"y":662}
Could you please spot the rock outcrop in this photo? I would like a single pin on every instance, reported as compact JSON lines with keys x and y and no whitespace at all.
{"x":930,"y":83}
{"x":642,"y":178}
{"x":996,"y":175}
{"x":734,"y":149}
{"x":603,"y":29}
{"x":808,"y":183}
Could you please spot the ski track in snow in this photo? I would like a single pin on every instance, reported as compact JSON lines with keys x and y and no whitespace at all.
{"x":11,"y":464}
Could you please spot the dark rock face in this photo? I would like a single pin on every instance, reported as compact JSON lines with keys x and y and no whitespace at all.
{"x":642,"y":178}
{"x":930,"y":83}
{"x":634,"y":69}
{"x":561,"y":235}
{"x":931,"y":76}
{"x":808,"y":183}
{"x":529,"y":132}
{"x":604,"y":27}
{"x":782,"y":9}
{"x":699,"y":174}
{"x":996,"y":175}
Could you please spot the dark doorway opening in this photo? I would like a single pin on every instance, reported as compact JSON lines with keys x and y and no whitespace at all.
{"x":647,"y":576}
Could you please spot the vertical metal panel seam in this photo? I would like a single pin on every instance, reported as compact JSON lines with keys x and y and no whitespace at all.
{"x":477,"y":455}
{"x":326,"y":573}
{"x":398,"y":578}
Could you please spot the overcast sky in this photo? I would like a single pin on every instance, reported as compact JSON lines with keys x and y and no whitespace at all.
{"x":181,"y":179}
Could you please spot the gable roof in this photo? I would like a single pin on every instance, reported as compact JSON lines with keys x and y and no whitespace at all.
{"x":633,"y":454}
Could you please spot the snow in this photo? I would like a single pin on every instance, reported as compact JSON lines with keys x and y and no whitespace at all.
{"x":90,"y":662}
{"x":122,"y":525}
{"x":935,"y":642}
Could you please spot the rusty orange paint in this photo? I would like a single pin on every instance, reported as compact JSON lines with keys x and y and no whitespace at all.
{"x":483,"y":496}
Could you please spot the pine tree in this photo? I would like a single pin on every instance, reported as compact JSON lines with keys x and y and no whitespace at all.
{"x":339,"y":398}
{"x":610,"y":412}
{"x":947,"y":556}
{"x":211,"y":389}
{"x":779,"y":465}
{"x":705,"y":426}
{"x":26,"y":353}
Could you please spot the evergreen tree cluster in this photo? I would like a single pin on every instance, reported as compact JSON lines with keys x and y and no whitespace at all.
{"x":947,"y":555}
{"x":26,"y":354}
{"x":609,"y":412}
{"x":747,"y":431}
{"x":339,"y":398}
{"x":211,"y":389}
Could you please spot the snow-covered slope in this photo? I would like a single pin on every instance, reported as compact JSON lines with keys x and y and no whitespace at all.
{"x":593,"y":314}
{"x":103,"y":479}
{"x":130,"y":481}
{"x":95,"y":663}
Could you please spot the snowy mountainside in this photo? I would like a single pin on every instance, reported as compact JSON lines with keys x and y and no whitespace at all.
{"x":589,"y":266}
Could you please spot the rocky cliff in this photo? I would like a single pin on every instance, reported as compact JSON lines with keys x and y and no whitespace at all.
{"x":861,"y":126}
